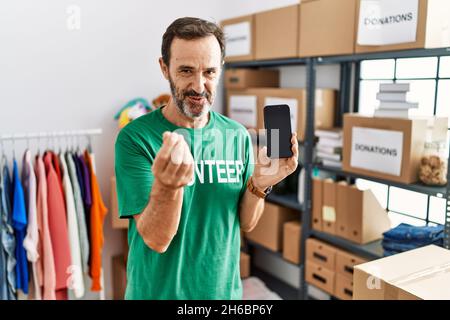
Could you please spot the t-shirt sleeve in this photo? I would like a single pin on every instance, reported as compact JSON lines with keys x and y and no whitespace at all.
{"x":134,"y":177}
{"x":249,"y":163}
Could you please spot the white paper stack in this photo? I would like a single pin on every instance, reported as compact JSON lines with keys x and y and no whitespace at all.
{"x":329,"y":147}
{"x":393,"y":104}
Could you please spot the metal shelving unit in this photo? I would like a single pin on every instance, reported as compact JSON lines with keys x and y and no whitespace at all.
{"x":349,"y":79}
{"x":416,"y":187}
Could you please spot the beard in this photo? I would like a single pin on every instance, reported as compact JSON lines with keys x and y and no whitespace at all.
{"x":188,"y":107}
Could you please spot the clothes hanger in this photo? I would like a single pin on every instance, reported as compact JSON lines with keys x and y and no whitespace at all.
{"x":14,"y":147}
{"x":89,"y":146}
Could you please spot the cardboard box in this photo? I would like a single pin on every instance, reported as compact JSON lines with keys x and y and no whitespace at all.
{"x":329,"y":206}
{"x":359,"y":216}
{"x":343,"y":288}
{"x":421,"y":273}
{"x":321,"y":253}
{"x":116,"y":222}
{"x":345,"y":262}
{"x":320,"y":277}
{"x":277,"y":33}
{"x":239,"y":38}
{"x":119,"y":274}
{"x":377,"y":150}
{"x":244,"y":264}
{"x":291,"y":241}
{"x":327,"y":27}
{"x":325,"y":100}
{"x":251,"y":78}
{"x":317,"y":191}
{"x":432,"y":27}
{"x":269,"y":230}
{"x":243,"y":107}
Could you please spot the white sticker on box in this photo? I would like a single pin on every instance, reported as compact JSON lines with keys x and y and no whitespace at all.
{"x":384,"y":22}
{"x":238,"y":39}
{"x":243,"y":110}
{"x":328,"y":214}
{"x":293,"y":108}
{"x":377,"y":150}
{"x":319,"y":98}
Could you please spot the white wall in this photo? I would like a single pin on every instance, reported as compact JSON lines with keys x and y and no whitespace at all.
{"x":54,"y":78}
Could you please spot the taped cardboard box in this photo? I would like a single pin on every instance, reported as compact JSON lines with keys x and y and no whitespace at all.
{"x":243,"y":107}
{"x":116,"y":222}
{"x":291,"y":241}
{"x":386,"y":148}
{"x":119,"y":274}
{"x":277,"y":33}
{"x":422,"y":273}
{"x":345,"y":263}
{"x":360,"y":217}
{"x":327,"y":27}
{"x":251,"y":78}
{"x":317,"y":204}
{"x":239,"y":38}
{"x":321,"y":253}
{"x":343,"y":288}
{"x":320,"y":277}
{"x":325,"y":102}
{"x":244,"y":264}
{"x":269,"y":230}
{"x":431,"y":28}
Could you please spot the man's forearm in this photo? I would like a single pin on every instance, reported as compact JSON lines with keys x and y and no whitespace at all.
{"x":159,"y":221}
{"x":251,"y":210}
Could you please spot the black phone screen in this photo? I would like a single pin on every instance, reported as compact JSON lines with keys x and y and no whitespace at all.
{"x":277,"y":122}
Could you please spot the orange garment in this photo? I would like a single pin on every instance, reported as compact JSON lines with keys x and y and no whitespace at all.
{"x":98,"y":213}
{"x":45,"y":262}
{"x":58,"y":229}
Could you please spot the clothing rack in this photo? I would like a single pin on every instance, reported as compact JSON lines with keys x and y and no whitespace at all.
{"x":52,"y":135}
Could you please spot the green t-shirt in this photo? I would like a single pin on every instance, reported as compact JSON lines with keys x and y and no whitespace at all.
{"x":202,"y":261}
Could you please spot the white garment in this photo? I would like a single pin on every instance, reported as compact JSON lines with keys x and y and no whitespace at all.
{"x":76,"y":279}
{"x":31,"y":241}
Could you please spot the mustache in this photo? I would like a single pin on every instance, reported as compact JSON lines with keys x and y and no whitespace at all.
{"x":192,"y":93}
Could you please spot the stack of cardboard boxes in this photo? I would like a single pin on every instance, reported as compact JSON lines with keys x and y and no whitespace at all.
{"x":330,"y":269}
{"x":328,"y":27}
{"x":246,"y":100}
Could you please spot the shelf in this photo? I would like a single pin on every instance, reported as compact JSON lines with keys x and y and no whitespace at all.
{"x":411,"y":53}
{"x":283,"y":289}
{"x":417,"y":187}
{"x":285,"y":200}
{"x":344,"y":58}
{"x":372,"y":250}
{"x":276,"y":254}
{"x":266,"y":63}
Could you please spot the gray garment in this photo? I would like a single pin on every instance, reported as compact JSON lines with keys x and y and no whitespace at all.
{"x":8,"y":239}
{"x":79,"y":208}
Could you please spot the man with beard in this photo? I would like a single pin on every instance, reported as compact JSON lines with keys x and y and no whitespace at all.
{"x":186,"y":178}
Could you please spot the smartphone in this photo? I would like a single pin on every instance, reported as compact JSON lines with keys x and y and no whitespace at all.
{"x":277,"y":122}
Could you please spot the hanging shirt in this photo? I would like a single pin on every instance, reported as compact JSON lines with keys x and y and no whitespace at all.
{"x":8,"y":239}
{"x":202,"y":260}
{"x":3,"y":272}
{"x":79,"y":174}
{"x":98,"y":213}
{"x":57,"y":223}
{"x":46,"y":263}
{"x":87,"y":200}
{"x":56,"y":166}
{"x":76,"y":280}
{"x":19,"y":217}
{"x":82,"y":229}
{"x":31,"y":240}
